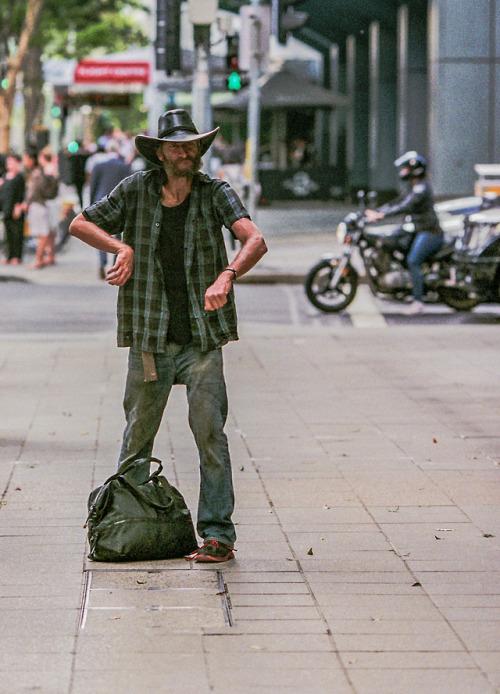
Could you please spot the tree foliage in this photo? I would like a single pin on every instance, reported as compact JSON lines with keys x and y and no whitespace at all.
{"x":69,"y":29}
{"x":109,"y":25}
{"x":83,"y":27}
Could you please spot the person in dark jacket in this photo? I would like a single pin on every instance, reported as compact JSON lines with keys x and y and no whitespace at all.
{"x":12,"y":194}
{"x":418,"y":203}
{"x":105,"y":176}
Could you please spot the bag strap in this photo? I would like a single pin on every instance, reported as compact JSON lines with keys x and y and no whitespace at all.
{"x":129,"y":465}
{"x":144,"y":497}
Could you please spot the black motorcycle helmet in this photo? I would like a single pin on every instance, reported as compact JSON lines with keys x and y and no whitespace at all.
{"x":411,"y":165}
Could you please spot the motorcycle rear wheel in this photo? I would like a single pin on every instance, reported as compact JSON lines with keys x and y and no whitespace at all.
{"x":457,"y":298}
{"x":326,"y":298}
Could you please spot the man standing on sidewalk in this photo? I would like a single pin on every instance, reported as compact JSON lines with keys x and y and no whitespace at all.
{"x":176,"y":304}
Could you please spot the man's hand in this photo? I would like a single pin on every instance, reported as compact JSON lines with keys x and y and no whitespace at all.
{"x":373,"y":215}
{"x":122,"y":269}
{"x":216,"y":295}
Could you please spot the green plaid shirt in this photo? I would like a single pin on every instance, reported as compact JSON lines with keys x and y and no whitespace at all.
{"x":134,"y":210}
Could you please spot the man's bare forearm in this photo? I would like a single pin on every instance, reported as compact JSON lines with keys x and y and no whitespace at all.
{"x":94,"y":236}
{"x":249,"y":255}
{"x":252,"y":249}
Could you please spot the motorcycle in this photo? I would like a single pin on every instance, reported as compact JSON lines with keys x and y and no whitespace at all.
{"x":332,"y":283}
{"x":475,"y":270}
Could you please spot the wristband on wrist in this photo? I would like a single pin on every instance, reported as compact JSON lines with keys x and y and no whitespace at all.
{"x":230,"y":269}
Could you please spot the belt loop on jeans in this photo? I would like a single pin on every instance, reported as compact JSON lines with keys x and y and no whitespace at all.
{"x":149,"y":366}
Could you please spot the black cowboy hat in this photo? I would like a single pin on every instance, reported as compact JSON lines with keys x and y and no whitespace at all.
{"x":173,"y":126}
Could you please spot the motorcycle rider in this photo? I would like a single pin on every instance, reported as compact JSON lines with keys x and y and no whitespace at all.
{"x":419,"y":204}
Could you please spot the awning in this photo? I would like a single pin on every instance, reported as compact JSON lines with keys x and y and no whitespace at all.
{"x":286,"y":90}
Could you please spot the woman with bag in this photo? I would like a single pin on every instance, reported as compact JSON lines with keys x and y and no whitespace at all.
{"x":41,"y":192}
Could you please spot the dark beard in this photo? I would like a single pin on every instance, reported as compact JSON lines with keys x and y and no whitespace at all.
{"x":172,"y":169}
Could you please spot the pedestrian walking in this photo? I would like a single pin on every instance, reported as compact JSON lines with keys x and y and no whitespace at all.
{"x":41,"y":190}
{"x":176,"y":305}
{"x":12,"y":195}
{"x":419,"y":204}
{"x":76,"y":168}
{"x":105,"y":175}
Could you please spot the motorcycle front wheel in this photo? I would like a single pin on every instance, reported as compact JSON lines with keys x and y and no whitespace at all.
{"x":457,"y":298}
{"x":320,"y":292}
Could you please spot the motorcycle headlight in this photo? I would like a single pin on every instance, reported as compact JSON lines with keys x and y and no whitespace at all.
{"x":341,"y":232}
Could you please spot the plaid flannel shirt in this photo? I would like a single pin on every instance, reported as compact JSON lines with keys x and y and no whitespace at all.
{"x":134,"y":210}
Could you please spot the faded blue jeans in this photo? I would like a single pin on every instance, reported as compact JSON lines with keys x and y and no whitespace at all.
{"x":424,"y":245}
{"x":144,"y":403}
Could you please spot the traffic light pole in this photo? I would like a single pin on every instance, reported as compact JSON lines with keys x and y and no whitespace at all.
{"x":254,"y":112}
{"x":202,"y":109}
{"x":202,"y":14}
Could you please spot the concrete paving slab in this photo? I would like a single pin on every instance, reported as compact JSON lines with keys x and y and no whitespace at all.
{"x":47,"y":680}
{"x":489,"y":664}
{"x":277,"y":626}
{"x":301,"y":680}
{"x":380,"y":608}
{"x":358,"y":660}
{"x":467,"y":600}
{"x":239,"y":600}
{"x":477,"y":637}
{"x":259,"y":589}
{"x":397,"y":642}
{"x":276,"y":612}
{"x":272,"y":643}
{"x":133,"y":681}
{"x":433,"y":681}
{"x":164,"y":621}
{"x":376,"y":624}
{"x":41,"y":622}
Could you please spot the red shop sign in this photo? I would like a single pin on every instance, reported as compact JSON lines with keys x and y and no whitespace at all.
{"x":93,"y":71}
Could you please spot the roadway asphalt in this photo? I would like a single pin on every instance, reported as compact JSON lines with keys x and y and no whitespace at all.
{"x":366,"y":469}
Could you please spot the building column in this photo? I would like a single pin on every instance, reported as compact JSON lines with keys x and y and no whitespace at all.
{"x":357,"y":112}
{"x":382,"y":114}
{"x":464,"y":91}
{"x":412,"y":81}
{"x":334,"y":116}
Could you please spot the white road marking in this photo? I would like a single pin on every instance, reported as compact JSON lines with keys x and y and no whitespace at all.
{"x":364,"y":311}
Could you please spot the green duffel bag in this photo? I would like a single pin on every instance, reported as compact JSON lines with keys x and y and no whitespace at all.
{"x":137,"y":516}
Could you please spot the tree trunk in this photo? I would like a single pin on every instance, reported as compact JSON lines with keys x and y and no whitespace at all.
{"x":33,"y":93}
{"x":14,"y":66}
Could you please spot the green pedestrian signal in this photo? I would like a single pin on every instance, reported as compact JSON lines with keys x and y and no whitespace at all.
{"x":234,"y":81}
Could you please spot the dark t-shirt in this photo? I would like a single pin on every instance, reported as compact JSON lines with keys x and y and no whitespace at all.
{"x":171,"y":254}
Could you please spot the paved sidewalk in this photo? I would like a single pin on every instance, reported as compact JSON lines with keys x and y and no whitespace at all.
{"x":367,"y":482}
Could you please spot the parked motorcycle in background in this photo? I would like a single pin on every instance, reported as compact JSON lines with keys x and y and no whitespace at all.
{"x":475,"y":270}
{"x":332,"y":283}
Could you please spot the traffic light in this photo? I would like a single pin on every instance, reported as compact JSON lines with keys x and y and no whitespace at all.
{"x":285,"y":18}
{"x":168,"y":35}
{"x":234,"y":82}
